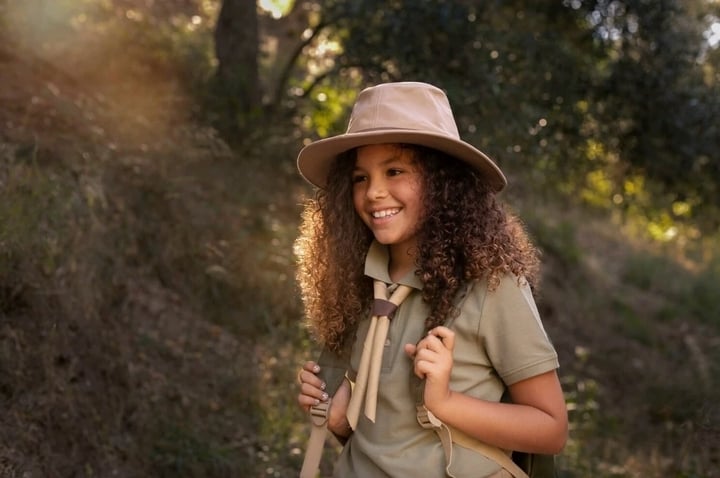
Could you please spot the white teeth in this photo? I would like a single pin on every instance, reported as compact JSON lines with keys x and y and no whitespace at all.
{"x":385,"y":213}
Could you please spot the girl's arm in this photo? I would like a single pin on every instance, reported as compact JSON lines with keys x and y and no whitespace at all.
{"x":312,"y":392}
{"x":536,"y":421}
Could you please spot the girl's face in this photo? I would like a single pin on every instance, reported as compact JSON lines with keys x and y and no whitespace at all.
{"x":387,"y":194}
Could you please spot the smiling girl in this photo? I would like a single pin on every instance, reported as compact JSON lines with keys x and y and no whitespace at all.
{"x":404,"y":202}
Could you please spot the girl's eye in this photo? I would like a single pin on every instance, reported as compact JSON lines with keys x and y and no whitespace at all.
{"x":393,"y":172}
{"x":358,"y":178}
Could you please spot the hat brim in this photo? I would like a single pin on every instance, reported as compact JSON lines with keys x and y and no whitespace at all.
{"x":315,"y":159}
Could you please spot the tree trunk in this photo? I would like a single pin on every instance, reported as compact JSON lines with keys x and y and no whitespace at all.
{"x":236,"y":86}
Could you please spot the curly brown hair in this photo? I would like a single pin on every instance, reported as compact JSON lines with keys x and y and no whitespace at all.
{"x":466,"y":235}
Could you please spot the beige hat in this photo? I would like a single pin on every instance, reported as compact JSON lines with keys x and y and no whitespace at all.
{"x":403,"y":112}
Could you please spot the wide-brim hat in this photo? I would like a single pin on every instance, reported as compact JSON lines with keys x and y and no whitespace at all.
{"x":402,"y":112}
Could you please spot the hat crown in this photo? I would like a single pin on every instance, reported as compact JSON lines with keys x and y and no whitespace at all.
{"x":409,"y":106}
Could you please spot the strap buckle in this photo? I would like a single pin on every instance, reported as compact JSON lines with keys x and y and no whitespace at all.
{"x":427,"y":419}
{"x":319,"y":413}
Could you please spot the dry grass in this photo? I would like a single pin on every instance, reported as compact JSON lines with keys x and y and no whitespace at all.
{"x":133,"y":340}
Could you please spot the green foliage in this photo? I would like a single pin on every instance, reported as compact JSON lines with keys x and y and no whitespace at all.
{"x":654,"y":106}
{"x":330,"y":110}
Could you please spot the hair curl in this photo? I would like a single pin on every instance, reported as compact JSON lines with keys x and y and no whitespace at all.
{"x":466,"y":235}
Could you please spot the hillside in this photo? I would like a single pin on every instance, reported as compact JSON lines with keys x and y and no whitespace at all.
{"x":127,"y":341}
{"x":149,"y":325}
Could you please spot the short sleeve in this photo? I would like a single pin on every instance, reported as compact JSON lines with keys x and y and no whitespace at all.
{"x":514,"y":336}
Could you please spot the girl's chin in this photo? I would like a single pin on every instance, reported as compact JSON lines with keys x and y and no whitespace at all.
{"x":391,"y":241}
{"x":385,"y":240}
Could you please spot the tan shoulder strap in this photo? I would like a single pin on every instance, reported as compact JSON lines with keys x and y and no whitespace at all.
{"x":316,"y":442}
{"x":332,"y":371}
{"x":449,"y":435}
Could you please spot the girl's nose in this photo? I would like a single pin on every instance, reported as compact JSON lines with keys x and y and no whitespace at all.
{"x":377,"y":189}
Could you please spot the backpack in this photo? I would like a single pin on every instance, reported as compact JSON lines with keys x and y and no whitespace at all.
{"x":332,"y":371}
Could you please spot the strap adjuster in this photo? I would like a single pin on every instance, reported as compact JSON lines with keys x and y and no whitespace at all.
{"x":427,"y":419}
{"x":319,"y":413}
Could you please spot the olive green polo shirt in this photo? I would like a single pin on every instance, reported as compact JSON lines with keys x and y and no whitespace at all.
{"x":499,"y":341}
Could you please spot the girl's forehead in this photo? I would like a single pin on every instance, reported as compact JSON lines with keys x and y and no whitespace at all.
{"x":382,"y":153}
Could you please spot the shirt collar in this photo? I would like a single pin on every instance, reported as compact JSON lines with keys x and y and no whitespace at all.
{"x":376,"y":267}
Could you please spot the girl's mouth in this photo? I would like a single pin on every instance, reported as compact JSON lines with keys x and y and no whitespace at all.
{"x":385,"y":213}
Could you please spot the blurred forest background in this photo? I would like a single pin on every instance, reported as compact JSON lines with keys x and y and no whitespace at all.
{"x":150,"y":325}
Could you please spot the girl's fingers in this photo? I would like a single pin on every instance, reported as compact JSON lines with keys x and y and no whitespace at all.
{"x":312,"y":388}
{"x":304,"y":377}
{"x":410,"y":350}
{"x":445,"y":336}
{"x":425,"y":358}
{"x":307,"y":374}
{"x":311,"y":367}
{"x":313,"y":393}
{"x":433,"y":353}
{"x":306,"y":402}
{"x":432,"y":343}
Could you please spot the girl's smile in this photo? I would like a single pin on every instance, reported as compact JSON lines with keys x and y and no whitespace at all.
{"x":385,"y":213}
{"x":387,"y":188}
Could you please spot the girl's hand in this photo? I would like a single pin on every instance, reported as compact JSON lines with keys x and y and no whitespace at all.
{"x":312,"y":389}
{"x":433,"y":361}
{"x":312,"y":392}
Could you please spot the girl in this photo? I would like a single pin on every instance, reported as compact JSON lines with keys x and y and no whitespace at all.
{"x":403,"y":200}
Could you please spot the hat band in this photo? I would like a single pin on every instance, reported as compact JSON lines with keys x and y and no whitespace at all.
{"x":410,"y":130}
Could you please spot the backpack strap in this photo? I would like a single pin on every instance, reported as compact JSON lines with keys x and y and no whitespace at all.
{"x":332,"y":372}
{"x":449,"y":435}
